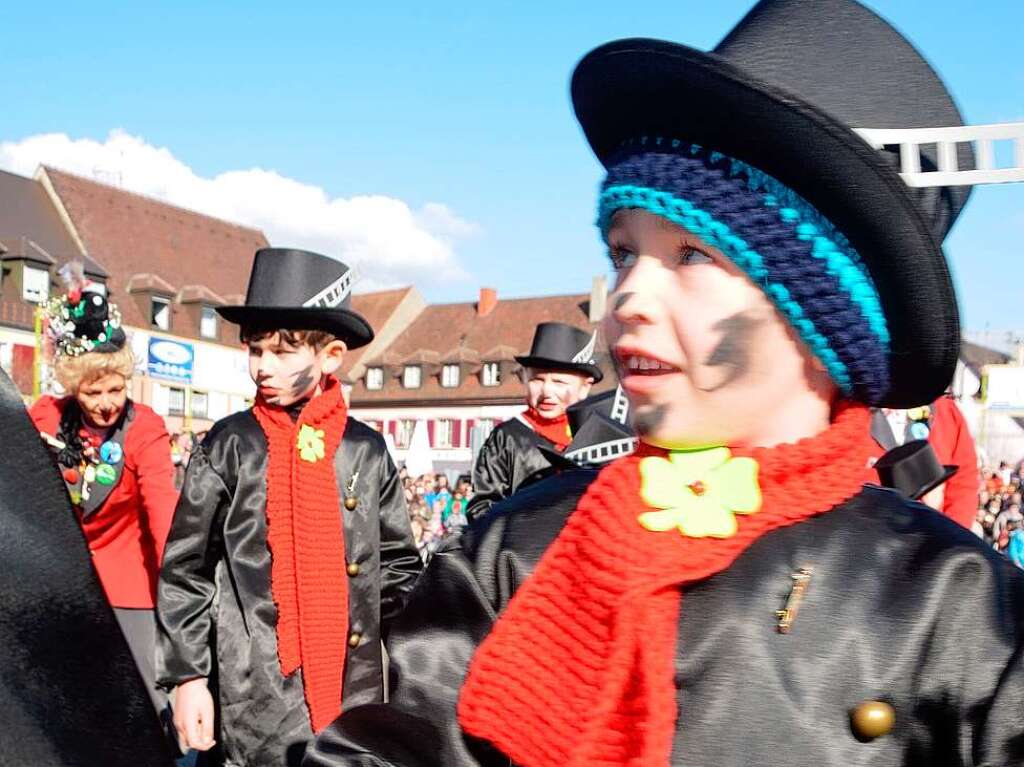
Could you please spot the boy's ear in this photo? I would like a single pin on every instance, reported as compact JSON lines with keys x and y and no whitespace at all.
{"x":332,"y":356}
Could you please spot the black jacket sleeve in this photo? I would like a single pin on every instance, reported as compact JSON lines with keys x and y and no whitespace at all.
{"x":400,"y":563}
{"x":492,"y":474}
{"x":187,"y":587}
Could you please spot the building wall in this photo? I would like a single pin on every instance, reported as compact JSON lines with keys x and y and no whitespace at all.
{"x":469,"y":427}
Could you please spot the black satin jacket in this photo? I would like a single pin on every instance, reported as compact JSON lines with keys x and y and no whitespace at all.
{"x":216,"y":615}
{"x":508,"y":460}
{"x":70,"y":692}
{"x":904,"y":606}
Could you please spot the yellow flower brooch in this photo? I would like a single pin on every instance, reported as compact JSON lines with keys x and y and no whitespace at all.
{"x":699,"y":492}
{"x":310,"y":443}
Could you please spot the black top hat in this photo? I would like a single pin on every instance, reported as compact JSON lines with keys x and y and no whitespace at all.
{"x":557,"y":346}
{"x":913,"y":469}
{"x":599,"y":432}
{"x":300,"y":290}
{"x":783,"y":92}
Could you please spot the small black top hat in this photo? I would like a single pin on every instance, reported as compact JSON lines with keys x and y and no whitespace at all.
{"x":913,"y":469}
{"x":599,"y":432}
{"x":300,"y":290}
{"x":557,"y":346}
{"x":784,"y":92}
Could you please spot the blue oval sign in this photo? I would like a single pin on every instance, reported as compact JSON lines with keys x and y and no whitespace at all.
{"x":170,"y":352}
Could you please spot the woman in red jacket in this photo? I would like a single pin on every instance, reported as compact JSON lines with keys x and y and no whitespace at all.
{"x":115,"y":461}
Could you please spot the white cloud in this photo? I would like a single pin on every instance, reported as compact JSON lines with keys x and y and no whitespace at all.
{"x":390,"y":243}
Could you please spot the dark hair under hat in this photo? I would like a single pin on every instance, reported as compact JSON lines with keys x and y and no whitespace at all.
{"x":752,"y":146}
{"x":300,"y":290}
{"x":557,"y":346}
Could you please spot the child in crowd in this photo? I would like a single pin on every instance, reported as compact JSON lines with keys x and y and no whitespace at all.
{"x":290,"y":549}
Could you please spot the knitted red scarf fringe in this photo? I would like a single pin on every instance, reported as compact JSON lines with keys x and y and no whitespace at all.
{"x":579,"y":669}
{"x":307,"y":546}
{"x":554,"y":430}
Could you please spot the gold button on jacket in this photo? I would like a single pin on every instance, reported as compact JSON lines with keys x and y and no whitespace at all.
{"x":872,"y":719}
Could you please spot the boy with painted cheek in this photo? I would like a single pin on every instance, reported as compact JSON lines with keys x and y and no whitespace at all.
{"x":735,"y":592}
{"x":291,"y":549}
{"x":703,"y":354}
{"x":558,"y":372}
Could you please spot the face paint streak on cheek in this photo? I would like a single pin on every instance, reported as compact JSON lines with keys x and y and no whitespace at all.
{"x":648,"y":419}
{"x":303,"y":381}
{"x":733,"y":349}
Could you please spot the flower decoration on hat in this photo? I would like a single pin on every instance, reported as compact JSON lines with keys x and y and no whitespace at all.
{"x":81,"y":320}
{"x":698,"y":492}
{"x":310,"y":443}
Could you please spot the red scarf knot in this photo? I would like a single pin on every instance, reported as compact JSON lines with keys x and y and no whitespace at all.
{"x":306,"y":538}
{"x":579,"y":669}
{"x":554,"y":430}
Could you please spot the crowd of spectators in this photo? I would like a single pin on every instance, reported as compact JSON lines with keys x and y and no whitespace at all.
{"x":1000,"y":521}
{"x":436,"y":508}
{"x":182,"y":444}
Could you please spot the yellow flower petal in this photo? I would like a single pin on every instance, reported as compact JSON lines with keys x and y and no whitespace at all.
{"x":660,"y":484}
{"x":735,"y":484}
{"x":693,"y":465}
{"x":659,"y":521}
{"x":706,"y":518}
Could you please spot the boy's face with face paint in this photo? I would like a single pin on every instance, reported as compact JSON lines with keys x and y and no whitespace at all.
{"x":704,"y":356}
{"x":286,"y":373}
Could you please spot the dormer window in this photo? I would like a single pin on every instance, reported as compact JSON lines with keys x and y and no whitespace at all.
{"x":450,"y":376}
{"x":208,"y":323}
{"x":490,"y":374}
{"x":412,"y":376}
{"x":375,"y":378}
{"x":35,"y":285}
{"x":160,"y":312}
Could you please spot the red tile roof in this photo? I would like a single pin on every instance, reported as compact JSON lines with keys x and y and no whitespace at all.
{"x":445,"y":332}
{"x":376,"y":308}
{"x":131,"y":234}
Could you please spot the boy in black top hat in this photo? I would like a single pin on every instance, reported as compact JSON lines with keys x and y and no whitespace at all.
{"x":290,"y":549}
{"x":735,"y":592}
{"x":559,"y":371}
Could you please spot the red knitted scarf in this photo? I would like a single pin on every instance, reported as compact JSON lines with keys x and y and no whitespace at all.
{"x":579,"y":669}
{"x":554,"y":430}
{"x":307,"y":545}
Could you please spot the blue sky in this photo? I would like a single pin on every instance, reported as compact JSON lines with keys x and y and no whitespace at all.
{"x":464,"y":105}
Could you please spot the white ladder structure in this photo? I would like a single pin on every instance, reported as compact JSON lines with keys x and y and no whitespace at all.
{"x":982,"y":137}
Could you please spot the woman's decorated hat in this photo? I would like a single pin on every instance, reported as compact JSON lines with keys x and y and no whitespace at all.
{"x":299,"y":290}
{"x":82,"y":320}
{"x":753,"y":147}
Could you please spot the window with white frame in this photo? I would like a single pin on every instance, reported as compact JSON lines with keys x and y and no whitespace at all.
{"x":208,"y":322}
{"x":35,"y":285}
{"x":450,"y":376}
{"x":374,"y":378}
{"x":491,"y":374}
{"x":200,"y":404}
{"x":411,"y":376}
{"x":175,"y":401}
{"x":160,"y":313}
{"x":403,"y":432}
{"x":443,"y":432}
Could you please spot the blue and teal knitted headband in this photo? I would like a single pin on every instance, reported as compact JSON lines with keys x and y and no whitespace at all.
{"x":791,"y":251}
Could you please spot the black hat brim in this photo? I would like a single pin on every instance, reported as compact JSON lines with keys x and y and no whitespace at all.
{"x":632,"y":88}
{"x":344,"y":324}
{"x":544,"y":363}
{"x":947,"y":472}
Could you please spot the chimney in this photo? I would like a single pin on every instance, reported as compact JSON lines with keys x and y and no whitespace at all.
{"x":598,"y":298}
{"x":488,"y":300}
